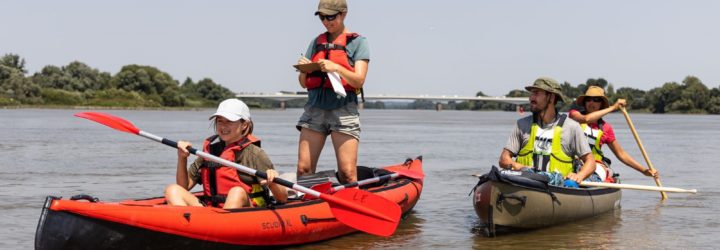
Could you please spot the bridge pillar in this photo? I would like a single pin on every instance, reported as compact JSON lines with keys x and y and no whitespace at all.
{"x":438,"y":106}
{"x":282,"y":105}
{"x":361,"y":105}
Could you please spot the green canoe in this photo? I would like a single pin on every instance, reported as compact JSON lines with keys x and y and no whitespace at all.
{"x":507,"y":201}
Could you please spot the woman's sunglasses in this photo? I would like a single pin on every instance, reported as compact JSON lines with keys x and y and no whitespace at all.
{"x":595,"y":99}
{"x":328,"y":17}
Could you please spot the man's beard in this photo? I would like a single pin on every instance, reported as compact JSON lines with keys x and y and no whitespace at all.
{"x":536,"y":109}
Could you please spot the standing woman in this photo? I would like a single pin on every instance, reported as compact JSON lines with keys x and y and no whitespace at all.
{"x":336,"y":51}
{"x":225,"y":186}
{"x":600,"y":132}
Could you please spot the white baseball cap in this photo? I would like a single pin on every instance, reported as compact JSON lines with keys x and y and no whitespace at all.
{"x":233,"y":110}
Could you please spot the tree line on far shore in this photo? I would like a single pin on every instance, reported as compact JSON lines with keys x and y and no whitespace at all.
{"x":690,"y":96}
{"x":77,"y":84}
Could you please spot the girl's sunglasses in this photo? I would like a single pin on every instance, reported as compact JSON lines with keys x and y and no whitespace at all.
{"x":328,"y":17}
{"x":595,"y":99}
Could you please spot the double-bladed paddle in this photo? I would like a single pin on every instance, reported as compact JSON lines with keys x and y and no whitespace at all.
{"x":356,"y":208}
{"x":397,"y":173}
{"x":326,"y":187}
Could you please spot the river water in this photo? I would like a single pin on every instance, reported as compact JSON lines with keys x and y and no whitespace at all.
{"x":50,"y":152}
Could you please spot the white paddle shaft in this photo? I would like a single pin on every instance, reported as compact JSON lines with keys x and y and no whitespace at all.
{"x":637,"y":187}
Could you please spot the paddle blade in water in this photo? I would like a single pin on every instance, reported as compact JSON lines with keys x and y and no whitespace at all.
{"x":364,"y":211}
{"x":110,"y":121}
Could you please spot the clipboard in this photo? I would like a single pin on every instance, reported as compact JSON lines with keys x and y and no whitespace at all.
{"x":335,"y":80}
{"x":308,"y":67}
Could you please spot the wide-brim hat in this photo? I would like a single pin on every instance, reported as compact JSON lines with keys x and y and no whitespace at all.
{"x":331,"y":7}
{"x":233,"y":110}
{"x":550,"y":85}
{"x":593,"y":91}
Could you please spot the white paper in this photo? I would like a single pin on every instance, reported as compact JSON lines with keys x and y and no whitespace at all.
{"x":336,"y":84}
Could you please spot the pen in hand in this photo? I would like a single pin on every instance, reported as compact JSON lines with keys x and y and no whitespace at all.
{"x":303,"y":59}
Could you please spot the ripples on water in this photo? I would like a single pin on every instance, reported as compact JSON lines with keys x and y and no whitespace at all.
{"x":49,"y":152}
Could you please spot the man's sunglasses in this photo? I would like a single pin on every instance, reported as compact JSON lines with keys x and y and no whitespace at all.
{"x":328,"y":17}
{"x":595,"y":99}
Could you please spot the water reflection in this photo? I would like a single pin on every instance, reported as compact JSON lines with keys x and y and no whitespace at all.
{"x":407,"y":235}
{"x":595,"y":232}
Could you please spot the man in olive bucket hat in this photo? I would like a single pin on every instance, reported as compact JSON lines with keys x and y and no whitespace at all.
{"x":547,"y":141}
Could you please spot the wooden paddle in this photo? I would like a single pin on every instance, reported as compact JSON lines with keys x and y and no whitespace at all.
{"x":637,"y":187}
{"x":356,"y":208}
{"x":642,"y":149}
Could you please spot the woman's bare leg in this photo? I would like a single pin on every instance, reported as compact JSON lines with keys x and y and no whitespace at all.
{"x":309,"y":149}
{"x":346,"y":150}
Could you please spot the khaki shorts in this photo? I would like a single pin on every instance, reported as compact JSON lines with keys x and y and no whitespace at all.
{"x":345,"y":120}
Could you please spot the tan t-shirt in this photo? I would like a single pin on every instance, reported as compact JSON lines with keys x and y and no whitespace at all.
{"x":252,"y":157}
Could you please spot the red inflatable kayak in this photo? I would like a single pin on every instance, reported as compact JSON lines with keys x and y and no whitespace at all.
{"x":85,"y":223}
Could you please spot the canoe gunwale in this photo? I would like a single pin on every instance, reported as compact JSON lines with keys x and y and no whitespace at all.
{"x":541,"y":187}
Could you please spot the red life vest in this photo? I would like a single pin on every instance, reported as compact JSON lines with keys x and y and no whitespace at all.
{"x":217,"y":180}
{"x":336,"y":52}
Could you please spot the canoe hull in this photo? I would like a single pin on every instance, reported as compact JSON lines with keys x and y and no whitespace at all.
{"x":504,"y":206}
{"x":133,"y":224}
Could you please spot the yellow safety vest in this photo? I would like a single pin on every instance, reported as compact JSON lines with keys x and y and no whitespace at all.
{"x":559,"y":161}
{"x":594,"y":136}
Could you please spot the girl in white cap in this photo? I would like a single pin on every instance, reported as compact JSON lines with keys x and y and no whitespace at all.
{"x":225,"y":186}
{"x":336,"y":51}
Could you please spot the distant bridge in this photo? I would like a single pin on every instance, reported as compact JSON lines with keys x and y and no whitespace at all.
{"x":284,"y":96}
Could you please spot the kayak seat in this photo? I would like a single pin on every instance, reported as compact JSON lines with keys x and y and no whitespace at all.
{"x":318,"y":178}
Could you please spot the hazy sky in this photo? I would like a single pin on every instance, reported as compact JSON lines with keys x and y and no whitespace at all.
{"x":441,"y":47}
